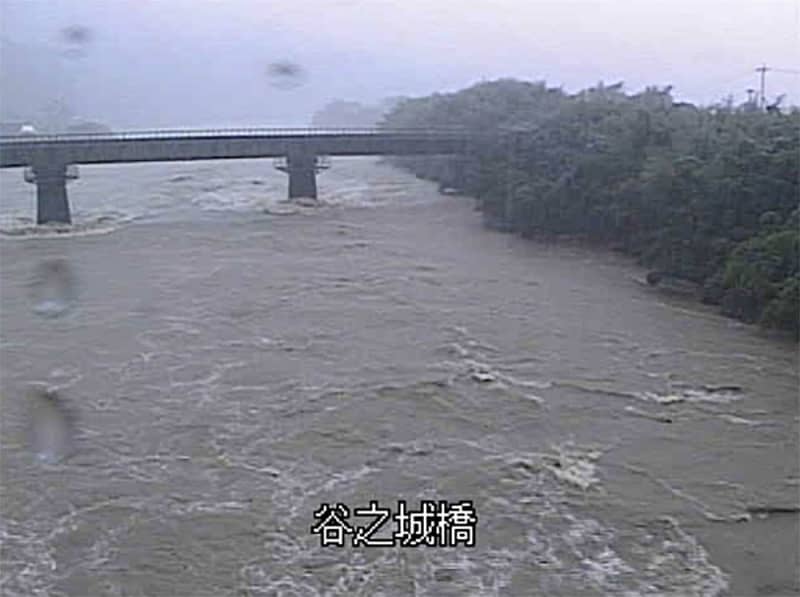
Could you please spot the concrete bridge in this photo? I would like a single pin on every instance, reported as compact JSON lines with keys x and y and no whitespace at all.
{"x":50,"y":159}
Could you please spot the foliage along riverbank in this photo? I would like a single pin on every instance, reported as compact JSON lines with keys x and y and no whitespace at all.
{"x":707,"y":195}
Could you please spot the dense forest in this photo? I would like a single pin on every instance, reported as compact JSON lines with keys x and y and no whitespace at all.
{"x":704,"y":195}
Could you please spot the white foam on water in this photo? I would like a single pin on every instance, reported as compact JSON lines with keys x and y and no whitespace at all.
{"x":236,"y":198}
{"x":255,"y":580}
{"x":79,"y":228}
{"x":458,"y":350}
{"x":606,"y":566}
{"x":574,"y":554}
{"x":346,"y":477}
{"x":742,"y":421}
{"x":485,"y":373}
{"x":692,"y":395}
{"x":686,"y":556}
{"x":661,"y":417}
{"x":574,"y":465}
{"x":527,"y":383}
{"x":669,"y":399}
{"x":297,"y":207}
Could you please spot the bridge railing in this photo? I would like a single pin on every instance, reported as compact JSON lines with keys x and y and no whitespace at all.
{"x":438,"y":132}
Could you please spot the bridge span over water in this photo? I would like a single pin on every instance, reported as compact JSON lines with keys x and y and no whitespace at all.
{"x":49,"y":159}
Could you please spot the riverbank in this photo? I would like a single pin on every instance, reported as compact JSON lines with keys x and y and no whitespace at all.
{"x":661,"y":284}
{"x":707,"y":194}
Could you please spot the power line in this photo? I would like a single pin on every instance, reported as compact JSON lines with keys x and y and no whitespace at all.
{"x":786,"y":71}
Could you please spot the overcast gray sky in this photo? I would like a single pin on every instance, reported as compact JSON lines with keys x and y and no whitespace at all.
{"x":204,"y":62}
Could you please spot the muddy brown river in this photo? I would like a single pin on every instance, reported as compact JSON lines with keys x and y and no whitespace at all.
{"x":229,"y":363}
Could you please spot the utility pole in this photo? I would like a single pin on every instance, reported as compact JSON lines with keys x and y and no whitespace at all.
{"x":763,"y":99}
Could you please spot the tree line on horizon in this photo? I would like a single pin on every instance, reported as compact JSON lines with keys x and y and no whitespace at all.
{"x":708,"y":195}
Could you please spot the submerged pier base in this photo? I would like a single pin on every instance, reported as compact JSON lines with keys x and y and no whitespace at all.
{"x":302,"y":170}
{"x":52,"y":205}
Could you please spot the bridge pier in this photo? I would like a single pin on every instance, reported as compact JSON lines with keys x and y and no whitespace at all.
{"x":52,"y":204}
{"x":302,"y":170}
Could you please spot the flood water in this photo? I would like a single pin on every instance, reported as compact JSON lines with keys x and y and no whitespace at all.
{"x":230,"y":363}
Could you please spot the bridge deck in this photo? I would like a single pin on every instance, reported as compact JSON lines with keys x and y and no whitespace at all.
{"x":185,"y":145}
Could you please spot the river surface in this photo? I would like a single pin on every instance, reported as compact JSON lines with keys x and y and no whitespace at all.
{"x":230,"y":362}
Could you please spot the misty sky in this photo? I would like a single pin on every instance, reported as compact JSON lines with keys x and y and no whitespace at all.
{"x":167,"y":63}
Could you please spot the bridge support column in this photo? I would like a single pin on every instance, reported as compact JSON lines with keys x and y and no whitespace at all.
{"x":52,"y":204}
{"x":302,"y":170}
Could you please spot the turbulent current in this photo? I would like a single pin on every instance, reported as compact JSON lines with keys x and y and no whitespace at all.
{"x":195,"y":367}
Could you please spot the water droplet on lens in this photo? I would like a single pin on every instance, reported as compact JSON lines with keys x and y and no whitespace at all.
{"x":51,"y":426}
{"x":77,"y":34}
{"x":285,"y":74}
{"x":53,"y":288}
{"x":76,"y":38}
